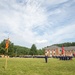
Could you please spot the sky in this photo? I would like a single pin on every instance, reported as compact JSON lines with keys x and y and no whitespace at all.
{"x":39,"y":22}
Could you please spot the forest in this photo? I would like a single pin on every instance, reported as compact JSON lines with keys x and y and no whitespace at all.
{"x":66,"y":44}
{"x":16,"y":50}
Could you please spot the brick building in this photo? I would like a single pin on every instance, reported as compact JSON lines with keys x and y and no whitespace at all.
{"x":57,"y":51}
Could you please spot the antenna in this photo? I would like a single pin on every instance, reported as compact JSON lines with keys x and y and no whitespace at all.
{"x":8,"y":35}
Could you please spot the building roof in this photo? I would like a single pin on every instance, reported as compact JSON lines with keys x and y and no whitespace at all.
{"x":52,"y":47}
{"x":70,"y":48}
{"x":66,"y":48}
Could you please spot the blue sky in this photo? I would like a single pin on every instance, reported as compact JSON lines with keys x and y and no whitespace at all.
{"x":40,"y":22}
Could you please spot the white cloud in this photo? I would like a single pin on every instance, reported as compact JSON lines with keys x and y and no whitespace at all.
{"x":29,"y":22}
{"x":63,"y":33}
{"x":21,"y":21}
{"x":56,"y":1}
{"x":41,"y":41}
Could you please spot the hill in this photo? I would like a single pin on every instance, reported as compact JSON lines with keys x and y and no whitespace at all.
{"x":66,"y":44}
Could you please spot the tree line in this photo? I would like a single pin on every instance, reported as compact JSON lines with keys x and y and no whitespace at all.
{"x":66,"y":44}
{"x":16,"y":50}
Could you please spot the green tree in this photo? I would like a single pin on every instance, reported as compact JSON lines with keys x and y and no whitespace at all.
{"x":19,"y":50}
{"x":10,"y":49}
{"x":41,"y":51}
{"x":33,"y":50}
{"x":3,"y":44}
{"x":2,"y":47}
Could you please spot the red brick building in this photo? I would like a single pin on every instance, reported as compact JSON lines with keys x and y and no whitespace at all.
{"x":57,"y":51}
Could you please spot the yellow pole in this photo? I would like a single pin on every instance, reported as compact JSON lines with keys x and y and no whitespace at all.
{"x":6,"y":60}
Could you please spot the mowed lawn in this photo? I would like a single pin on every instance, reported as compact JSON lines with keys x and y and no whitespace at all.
{"x":37,"y":66}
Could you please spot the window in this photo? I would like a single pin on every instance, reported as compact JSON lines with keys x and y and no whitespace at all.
{"x":54,"y":53}
{"x":60,"y":50}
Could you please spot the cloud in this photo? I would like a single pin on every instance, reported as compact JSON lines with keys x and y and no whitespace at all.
{"x":63,"y":33}
{"x":41,"y":41}
{"x":37,"y":21}
{"x":56,"y":1}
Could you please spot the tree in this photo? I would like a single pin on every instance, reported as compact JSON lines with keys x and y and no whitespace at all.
{"x":41,"y":51}
{"x":2,"y":47}
{"x":10,"y":49}
{"x":19,"y":50}
{"x":2,"y":44}
{"x":33,"y":50}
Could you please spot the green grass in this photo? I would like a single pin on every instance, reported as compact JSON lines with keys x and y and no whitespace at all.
{"x":37,"y":66}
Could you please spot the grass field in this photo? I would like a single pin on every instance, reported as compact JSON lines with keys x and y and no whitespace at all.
{"x":37,"y":66}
